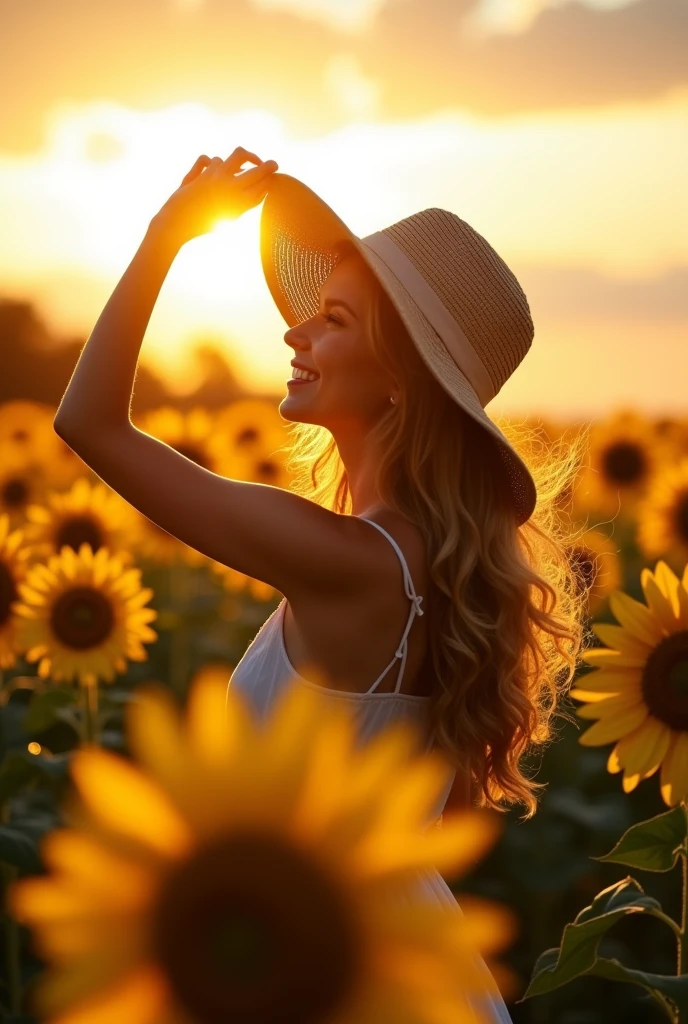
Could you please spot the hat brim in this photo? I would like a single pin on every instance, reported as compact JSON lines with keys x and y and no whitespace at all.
{"x":298,"y":235}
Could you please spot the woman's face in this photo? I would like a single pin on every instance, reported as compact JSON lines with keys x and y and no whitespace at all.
{"x":351,"y":386}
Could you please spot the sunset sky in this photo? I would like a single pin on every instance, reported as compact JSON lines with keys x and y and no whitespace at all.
{"x":558,"y":130}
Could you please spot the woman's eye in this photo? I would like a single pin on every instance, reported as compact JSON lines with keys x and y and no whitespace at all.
{"x":328,"y":316}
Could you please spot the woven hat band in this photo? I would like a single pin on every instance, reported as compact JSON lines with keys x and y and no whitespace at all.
{"x":448,"y":329}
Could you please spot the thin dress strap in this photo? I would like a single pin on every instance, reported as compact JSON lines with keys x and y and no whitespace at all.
{"x":416,"y":609}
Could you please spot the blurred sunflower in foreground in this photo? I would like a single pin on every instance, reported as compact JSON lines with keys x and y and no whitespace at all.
{"x":639,"y":691}
{"x":82,"y":615}
{"x":264,"y":874}
{"x":86,"y":514}
{"x":663,"y":515}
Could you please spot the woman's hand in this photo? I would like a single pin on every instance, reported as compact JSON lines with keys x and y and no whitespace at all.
{"x":213,"y":190}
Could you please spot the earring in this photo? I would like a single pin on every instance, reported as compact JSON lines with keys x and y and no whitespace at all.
{"x":392,"y":399}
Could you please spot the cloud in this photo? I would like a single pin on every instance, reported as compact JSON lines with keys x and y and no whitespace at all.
{"x":581,"y":294}
{"x":415,"y":58}
{"x":571,"y":57}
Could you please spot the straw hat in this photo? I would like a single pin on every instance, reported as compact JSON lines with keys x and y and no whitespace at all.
{"x":464,"y":309}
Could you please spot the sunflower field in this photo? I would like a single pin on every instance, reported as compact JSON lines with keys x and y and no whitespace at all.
{"x":109,"y":625}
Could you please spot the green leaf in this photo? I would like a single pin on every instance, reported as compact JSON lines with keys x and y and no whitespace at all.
{"x":671,"y":985}
{"x":41,"y":714}
{"x":578,"y":952}
{"x":20,"y":843}
{"x":23,"y":769}
{"x":652,"y":845}
{"x":16,"y":771}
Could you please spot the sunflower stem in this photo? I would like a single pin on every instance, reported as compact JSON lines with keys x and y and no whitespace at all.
{"x":180,"y":650}
{"x":10,"y":931}
{"x":682,"y":942}
{"x":90,"y":713}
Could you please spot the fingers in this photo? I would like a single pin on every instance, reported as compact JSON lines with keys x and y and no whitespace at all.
{"x":196,"y":169}
{"x":257,"y":174}
{"x":241,"y":156}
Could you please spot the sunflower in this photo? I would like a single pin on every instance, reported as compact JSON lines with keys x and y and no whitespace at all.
{"x":250,"y":425}
{"x":14,"y":556}
{"x":663,"y":516}
{"x":82,"y":614}
{"x":25,"y":424}
{"x":673,"y":429}
{"x":263,"y":467}
{"x":598,"y":566}
{"x":639,"y":691}
{"x":27,"y":432}
{"x":88,"y":513}
{"x":22,"y":482}
{"x":256,"y":872}
{"x":624,"y":455}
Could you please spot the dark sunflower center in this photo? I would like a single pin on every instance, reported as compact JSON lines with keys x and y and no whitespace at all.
{"x":624,"y":463}
{"x":8,"y":592}
{"x":78,"y":530}
{"x":681,"y":517}
{"x":192,"y":452}
{"x":250,"y":929}
{"x":665,"y":426}
{"x":81,"y":618}
{"x":247,"y":436}
{"x":665,"y":681}
{"x":266,"y":470}
{"x":583,"y":562}
{"x":15,"y":492}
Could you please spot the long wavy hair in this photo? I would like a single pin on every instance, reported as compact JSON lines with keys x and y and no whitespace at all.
{"x":506,"y":603}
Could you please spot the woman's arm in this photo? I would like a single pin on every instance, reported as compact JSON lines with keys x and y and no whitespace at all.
{"x":99,"y":392}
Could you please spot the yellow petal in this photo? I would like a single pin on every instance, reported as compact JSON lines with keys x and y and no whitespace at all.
{"x":463,"y":838}
{"x":594,"y":695}
{"x":611,"y":706}
{"x":613,"y":728}
{"x":613,"y":763}
{"x":603,"y":657}
{"x":139,"y":998}
{"x":663,"y":606}
{"x":490,"y":926}
{"x":208,"y":709}
{"x":674,"y":771}
{"x":417,"y":791}
{"x":667,"y":581}
{"x":641,"y":752}
{"x":618,"y":638}
{"x":603,"y":680}
{"x":122,"y":798}
{"x":106,"y":876}
{"x":636,"y":617}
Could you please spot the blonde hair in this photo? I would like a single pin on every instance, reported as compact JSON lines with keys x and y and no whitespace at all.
{"x":506,"y":603}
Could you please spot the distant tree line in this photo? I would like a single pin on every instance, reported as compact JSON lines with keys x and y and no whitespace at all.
{"x":34,"y":364}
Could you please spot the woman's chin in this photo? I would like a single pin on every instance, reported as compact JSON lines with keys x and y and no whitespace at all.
{"x":290,"y":408}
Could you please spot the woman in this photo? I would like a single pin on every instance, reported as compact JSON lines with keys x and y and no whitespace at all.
{"x":401,"y":339}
